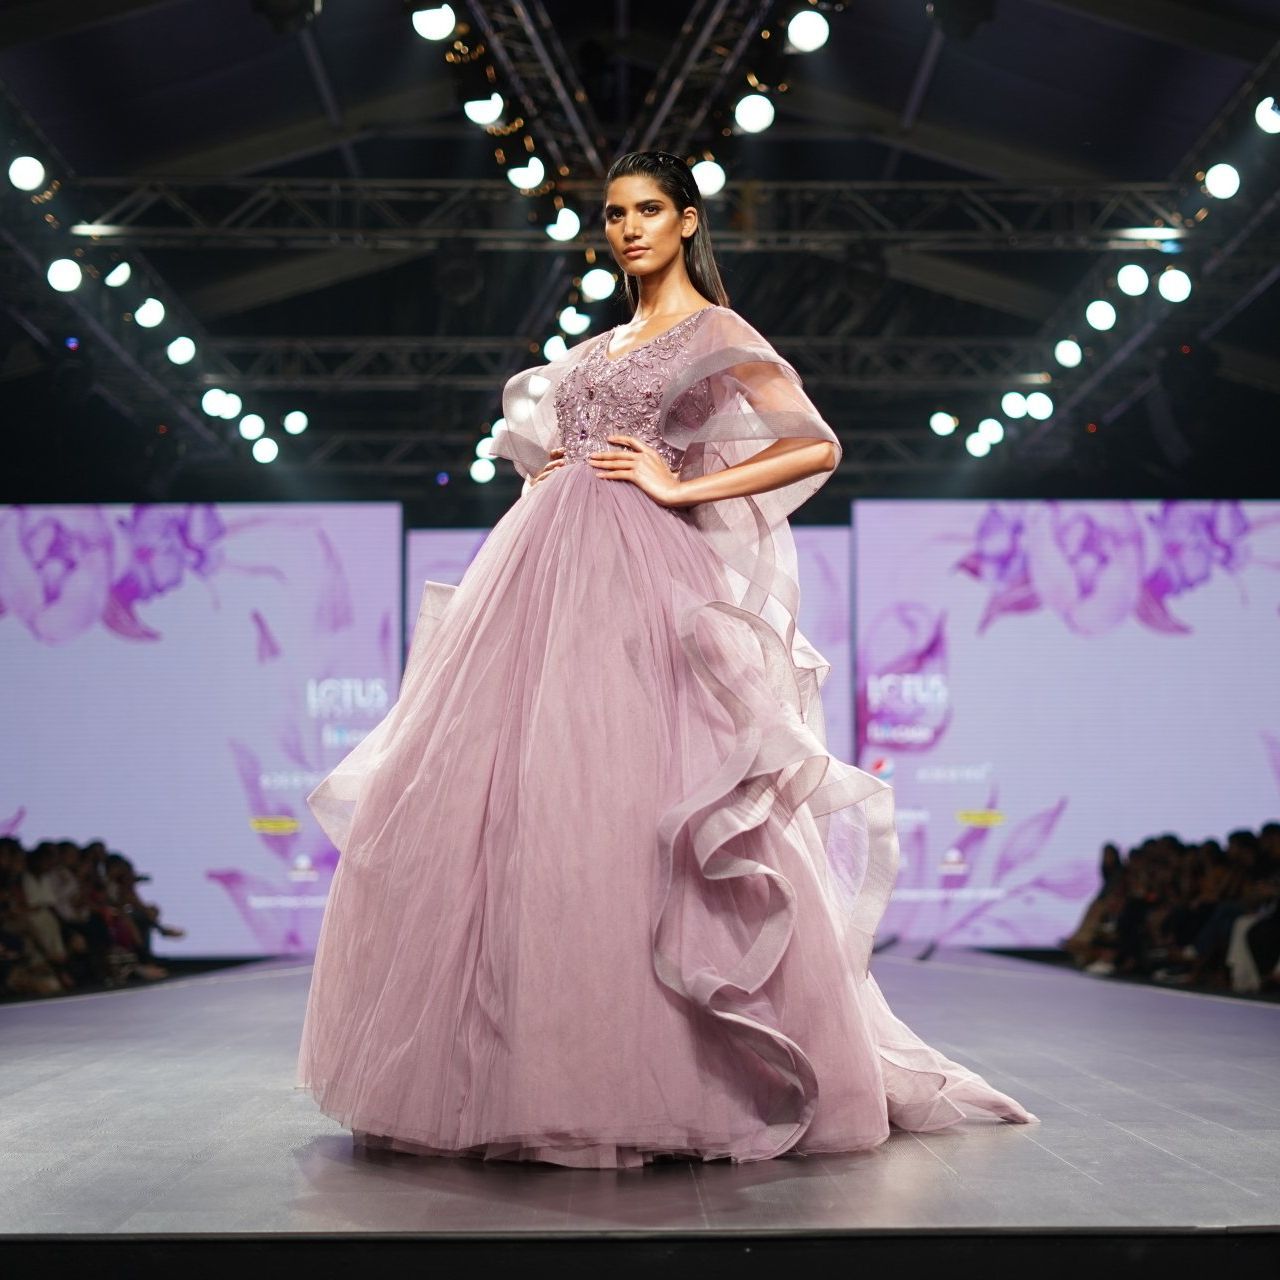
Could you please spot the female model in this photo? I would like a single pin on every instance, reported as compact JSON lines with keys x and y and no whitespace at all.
{"x":604,"y":894}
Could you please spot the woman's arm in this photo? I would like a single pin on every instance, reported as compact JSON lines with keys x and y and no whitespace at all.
{"x":782,"y":463}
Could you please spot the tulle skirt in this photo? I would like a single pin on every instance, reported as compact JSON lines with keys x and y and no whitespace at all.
{"x":602,"y":894}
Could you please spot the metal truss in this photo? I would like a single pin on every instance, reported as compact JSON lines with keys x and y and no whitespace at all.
{"x":802,"y":217}
{"x":397,"y":363}
{"x":536,"y":69}
{"x":702,"y":58}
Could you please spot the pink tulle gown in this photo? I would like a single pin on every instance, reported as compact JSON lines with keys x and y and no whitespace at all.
{"x":603,"y":893}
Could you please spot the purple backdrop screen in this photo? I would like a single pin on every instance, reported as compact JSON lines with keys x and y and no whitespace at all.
{"x":1036,"y":679}
{"x":442,"y":555}
{"x":178,"y":678}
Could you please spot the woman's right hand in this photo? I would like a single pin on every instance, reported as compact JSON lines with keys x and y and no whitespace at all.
{"x":557,"y":461}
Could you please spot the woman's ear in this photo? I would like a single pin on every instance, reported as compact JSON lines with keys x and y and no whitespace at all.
{"x":689,"y":222}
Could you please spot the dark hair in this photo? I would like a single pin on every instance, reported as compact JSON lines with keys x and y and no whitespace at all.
{"x":675,"y":178}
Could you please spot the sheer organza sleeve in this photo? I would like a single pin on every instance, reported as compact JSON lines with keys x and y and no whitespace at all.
{"x":733,"y":396}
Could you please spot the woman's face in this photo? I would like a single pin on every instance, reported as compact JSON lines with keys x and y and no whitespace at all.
{"x":644,"y":228}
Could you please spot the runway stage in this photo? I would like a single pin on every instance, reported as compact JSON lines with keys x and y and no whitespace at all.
{"x":137,"y":1118}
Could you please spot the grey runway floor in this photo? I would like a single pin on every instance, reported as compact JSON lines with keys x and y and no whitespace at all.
{"x":171,"y":1109}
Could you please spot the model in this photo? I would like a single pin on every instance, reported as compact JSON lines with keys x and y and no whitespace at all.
{"x":603,"y":894}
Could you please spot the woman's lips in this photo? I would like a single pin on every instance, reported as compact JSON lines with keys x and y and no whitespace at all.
{"x":634,"y":253}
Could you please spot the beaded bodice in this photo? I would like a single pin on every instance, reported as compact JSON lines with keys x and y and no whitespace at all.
{"x":601,"y":397}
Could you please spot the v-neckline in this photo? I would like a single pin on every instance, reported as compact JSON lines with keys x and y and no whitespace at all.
{"x":604,"y":346}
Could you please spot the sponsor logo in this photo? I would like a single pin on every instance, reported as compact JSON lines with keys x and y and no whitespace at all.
{"x":345,"y":696}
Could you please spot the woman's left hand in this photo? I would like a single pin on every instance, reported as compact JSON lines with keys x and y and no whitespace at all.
{"x":643,"y":465}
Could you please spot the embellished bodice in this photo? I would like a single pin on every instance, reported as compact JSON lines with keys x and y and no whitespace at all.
{"x":601,"y":396}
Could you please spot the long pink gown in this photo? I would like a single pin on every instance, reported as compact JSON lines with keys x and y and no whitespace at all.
{"x":603,"y":892}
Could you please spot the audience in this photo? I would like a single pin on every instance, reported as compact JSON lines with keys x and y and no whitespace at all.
{"x":1189,"y":914}
{"x":71,"y":918}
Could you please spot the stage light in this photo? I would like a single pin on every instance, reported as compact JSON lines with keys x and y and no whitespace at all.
{"x":181,"y":351}
{"x":434,"y":24}
{"x":1132,"y":280}
{"x":71,"y":342}
{"x":598,"y":284}
{"x":118,"y":275}
{"x":1014,"y":404}
{"x":978,"y":445}
{"x":1222,"y":181}
{"x":1174,"y":285}
{"x":27,"y":173}
{"x":265,"y":450}
{"x":753,"y":113}
{"x":484,"y":111}
{"x":943,"y":423}
{"x":555,"y":347}
{"x":211,"y":401}
{"x":1039,"y":406}
{"x":991,"y":430}
{"x":295,"y":422}
{"x":484,"y":447}
{"x":709,"y":177}
{"x":442,"y":478}
{"x":526,"y":177}
{"x":1267,"y":116}
{"x":252,"y":425}
{"x":483,"y":470}
{"x":64,"y":275}
{"x":566,"y":226}
{"x":1068,"y":353}
{"x":808,"y":31}
{"x":230,"y":406}
{"x":149,"y":312}
{"x":573,"y":321}
{"x":1100,"y":314}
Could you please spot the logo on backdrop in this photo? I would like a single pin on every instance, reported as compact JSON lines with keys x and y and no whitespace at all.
{"x":346,"y":696}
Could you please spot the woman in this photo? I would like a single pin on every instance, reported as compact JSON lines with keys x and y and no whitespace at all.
{"x":604,"y":895}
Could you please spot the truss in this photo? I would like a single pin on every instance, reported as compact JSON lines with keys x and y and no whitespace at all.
{"x":421,"y":214}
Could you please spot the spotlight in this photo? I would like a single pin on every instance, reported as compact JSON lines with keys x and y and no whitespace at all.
{"x":1068,"y":353}
{"x":753,"y":113}
{"x":27,"y":173}
{"x":573,"y":321}
{"x":181,"y":351}
{"x":484,"y":447}
{"x":527,"y":176}
{"x":149,"y":312}
{"x":64,"y":275}
{"x":1222,"y":181}
{"x":1039,"y":406}
{"x":566,"y":226}
{"x":484,"y":111}
{"x":211,"y":402}
{"x":1132,"y":280}
{"x":1174,"y":285}
{"x":808,"y":31}
{"x":598,"y":284}
{"x":1267,"y":116}
{"x":709,"y":176}
{"x":1100,"y":314}
{"x":252,"y":426}
{"x":230,"y":405}
{"x":978,"y":445}
{"x":434,"y":24}
{"x":295,"y":422}
{"x":555,"y":347}
{"x":943,"y":423}
{"x":991,"y":430}
{"x":483,"y":470}
{"x":265,"y":450}
{"x":1014,"y":405}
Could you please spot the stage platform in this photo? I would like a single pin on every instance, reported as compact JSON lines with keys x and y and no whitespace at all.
{"x":169,"y":1111}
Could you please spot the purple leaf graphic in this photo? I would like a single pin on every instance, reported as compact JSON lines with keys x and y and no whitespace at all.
{"x":333,"y":610}
{"x":268,"y":646}
{"x":1027,"y":839}
{"x":247,"y":766}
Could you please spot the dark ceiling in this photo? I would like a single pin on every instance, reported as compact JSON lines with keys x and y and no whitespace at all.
{"x":1056,"y":106}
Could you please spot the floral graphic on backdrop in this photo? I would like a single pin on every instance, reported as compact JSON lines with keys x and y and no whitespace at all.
{"x":1098,"y":564}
